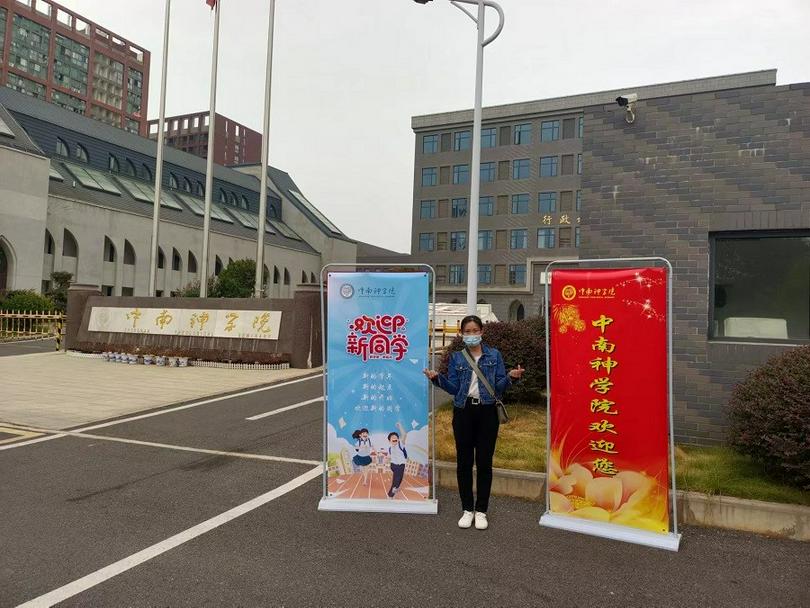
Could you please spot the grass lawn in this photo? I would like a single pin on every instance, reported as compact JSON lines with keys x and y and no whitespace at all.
{"x":711,"y":470}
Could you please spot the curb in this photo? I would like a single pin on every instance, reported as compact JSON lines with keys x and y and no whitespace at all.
{"x":770,"y":518}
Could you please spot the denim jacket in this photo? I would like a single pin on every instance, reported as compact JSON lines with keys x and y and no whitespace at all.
{"x":459,"y":375}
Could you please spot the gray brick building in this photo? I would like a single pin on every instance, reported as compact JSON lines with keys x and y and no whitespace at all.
{"x":713,"y":174}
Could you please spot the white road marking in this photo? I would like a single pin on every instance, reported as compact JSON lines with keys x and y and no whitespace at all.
{"x":284,"y":409}
{"x":158,"y":413}
{"x":108,"y":572}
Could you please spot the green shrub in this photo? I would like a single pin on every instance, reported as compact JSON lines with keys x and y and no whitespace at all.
{"x":58,"y":292}
{"x":520,"y":342}
{"x":769,"y":416}
{"x":27,"y":301}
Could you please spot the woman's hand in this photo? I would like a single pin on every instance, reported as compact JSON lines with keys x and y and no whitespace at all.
{"x":431,"y":374}
{"x":516,"y":373}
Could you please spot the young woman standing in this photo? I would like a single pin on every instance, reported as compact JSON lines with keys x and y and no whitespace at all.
{"x":475,"y":416}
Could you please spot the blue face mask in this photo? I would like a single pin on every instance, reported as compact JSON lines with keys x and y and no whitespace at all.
{"x":472,"y":340}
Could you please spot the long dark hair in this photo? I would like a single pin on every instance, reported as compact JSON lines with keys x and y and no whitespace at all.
{"x":472,"y":319}
{"x":358,"y":432}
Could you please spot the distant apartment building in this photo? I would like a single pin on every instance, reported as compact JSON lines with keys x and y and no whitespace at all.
{"x":50,"y":52}
{"x":234,"y":143}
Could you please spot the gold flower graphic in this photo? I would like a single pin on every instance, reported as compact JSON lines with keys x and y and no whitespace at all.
{"x":567,"y":316}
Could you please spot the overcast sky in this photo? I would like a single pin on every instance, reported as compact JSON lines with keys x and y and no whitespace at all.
{"x":349,"y":74}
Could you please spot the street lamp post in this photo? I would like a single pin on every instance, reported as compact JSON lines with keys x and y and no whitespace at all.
{"x":475,"y":168}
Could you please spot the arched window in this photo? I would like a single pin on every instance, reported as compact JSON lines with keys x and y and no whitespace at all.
{"x":129,"y":168}
{"x":516,"y":311}
{"x":173,"y":181}
{"x":109,"y":250}
{"x":49,"y":245}
{"x":265,"y":276}
{"x":234,"y":199}
{"x":129,"y":253}
{"x":244,"y":202}
{"x":303,"y":276}
{"x":276,"y":275}
{"x":186,"y":184}
{"x":223,"y":196}
{"x":312,"y":278}
{"x":61,"y":147}
{"x":217,"y":266}
{"x":192,"y":263}
{"x":81,"y":153}
{"x":113,"y":164}
{"x":70,"y":248}
{"x":200,"y":189}
{"x":177,"y":261}
{"x":286,"y":277}
{"x":161,"y":259}
{"x":146,"y":172}
{"x":271,"y":210}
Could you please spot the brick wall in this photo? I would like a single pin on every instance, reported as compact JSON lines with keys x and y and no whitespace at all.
{"x":690,"y":165}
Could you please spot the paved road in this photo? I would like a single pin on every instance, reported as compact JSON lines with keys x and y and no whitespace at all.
{"x":120,"y":521}
{"x":8,"y":349}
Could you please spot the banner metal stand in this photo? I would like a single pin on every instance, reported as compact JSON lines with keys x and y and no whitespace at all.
{"x":668,"y":541}
{"x":429,"y":506}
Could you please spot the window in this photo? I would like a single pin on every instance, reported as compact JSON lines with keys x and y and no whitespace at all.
{"x":581,"y":127}
{"x":113,"y":164}
{"x":444,"y":175}
{"x":461,"y":174}
{"x":485,"y":205}
{"x":503,"y":205}
{"x":49,"y":243}
{"x":548,"y":166}
{"x":547,"y":202}
{"x":441,"y":274}
{"x":243,"y":202}
{"x":223,"y":196}
{"x":429,"y":176}
{"x":459,"y":207}
{"x":518,"y":239}
{"x":426,"y":242}
{"x":276,"y":275}
{"x":504,"y":137}
{"x":173,"y":181}
{"x":500,"y":239}
{"x":200,"y":189}
{"x":517,"y":274}
{"x":520,"y":169}
{"x":161,"y":259}
{"x":61,"y":147}
{"x":489,"y":137}
{"x":568,"y":127}
{"x":456,"y":274}
{"x":523,"y":134}
{"x":427,"y":210}
{"x":177,"y":261}
{"x":458,"y":241}
{"x":576,"y":236}
{"x":550,"y":130}
{"x":754,"y":297}
{"x":81,"y":153}
{"x":488,"y":172}
{"x":567,"y":167}
{"x":462,"y":141}
{"x":565,"y":237}
{"x":430,"y":144}
{"x":441,"y":241}
{"x":187,"y":184}
{"x":545,"y":238}
{"x":484,"y":274}
{"x":234,"y":199}
{"x":579,"y":200}
{"x":484,"y":240}
{"x":129,"y":253}
{"x":579,"y":164}
{"x":146,"y":172}
{"x":303,"y":276}
{"x":566,"y":202}
{"x":503,"y":169}
{"x":109,"y":250}
{"x":520,"y":204}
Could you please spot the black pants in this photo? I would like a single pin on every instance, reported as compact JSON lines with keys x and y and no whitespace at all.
{"x":475,"y":428}
{"x":399,"y":472}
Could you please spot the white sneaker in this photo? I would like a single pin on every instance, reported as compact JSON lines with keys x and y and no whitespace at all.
{"x":481,"y":522}
{"x":466,"y":519}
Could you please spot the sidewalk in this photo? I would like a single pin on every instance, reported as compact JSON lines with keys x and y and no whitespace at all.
{"x":58,"y":391}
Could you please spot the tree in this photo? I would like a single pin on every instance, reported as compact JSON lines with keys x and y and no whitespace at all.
{"x":58,"y":292}
{"x":236,"y":280}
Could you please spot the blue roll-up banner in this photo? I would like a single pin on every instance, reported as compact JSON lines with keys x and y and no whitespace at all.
{"x":377,"y":398}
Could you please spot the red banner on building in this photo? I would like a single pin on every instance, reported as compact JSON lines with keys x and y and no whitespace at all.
{"x":609,"y":426}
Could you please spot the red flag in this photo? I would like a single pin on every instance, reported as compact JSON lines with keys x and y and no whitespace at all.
{"x":211,"y":3}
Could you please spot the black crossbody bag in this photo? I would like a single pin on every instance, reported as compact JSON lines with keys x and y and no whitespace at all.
{"x":503,"y":415}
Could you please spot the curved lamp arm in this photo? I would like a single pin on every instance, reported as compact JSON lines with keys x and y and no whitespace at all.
{"x":489,"y":3}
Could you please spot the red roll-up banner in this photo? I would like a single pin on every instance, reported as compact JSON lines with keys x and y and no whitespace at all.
{"x":609,"y":459}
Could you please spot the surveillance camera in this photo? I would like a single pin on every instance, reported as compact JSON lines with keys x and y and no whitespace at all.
{"x":626,"y":100}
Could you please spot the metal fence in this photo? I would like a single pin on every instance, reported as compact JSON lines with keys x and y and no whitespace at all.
{"x":444,"y":333}
{"x":26,"y":325}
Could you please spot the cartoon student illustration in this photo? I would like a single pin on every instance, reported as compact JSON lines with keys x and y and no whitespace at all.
{"x":364,"y":450}
{"x":399,"y":455}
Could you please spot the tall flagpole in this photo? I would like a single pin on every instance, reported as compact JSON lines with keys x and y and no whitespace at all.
{"x":209,"y":167}
{"x":259,"y":287}
{"x":159,"y":159}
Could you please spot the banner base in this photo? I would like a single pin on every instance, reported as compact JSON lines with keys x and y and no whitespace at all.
{"x":425,"y":507}
{"x":669,"y":541}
